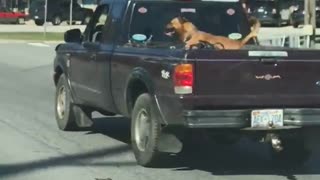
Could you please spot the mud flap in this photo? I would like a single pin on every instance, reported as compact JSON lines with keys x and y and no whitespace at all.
{"x":83,"y":118}
{"x":169,"y":143}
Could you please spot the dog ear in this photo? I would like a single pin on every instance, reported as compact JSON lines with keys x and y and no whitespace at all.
{"x":182,"y":19}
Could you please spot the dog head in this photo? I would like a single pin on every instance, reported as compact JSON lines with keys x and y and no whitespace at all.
{"x":176,"y":24}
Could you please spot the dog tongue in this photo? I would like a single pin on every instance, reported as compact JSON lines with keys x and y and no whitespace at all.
{"x":169,"y":33}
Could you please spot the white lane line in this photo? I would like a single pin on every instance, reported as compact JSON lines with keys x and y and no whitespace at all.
{"x":38,"y":44}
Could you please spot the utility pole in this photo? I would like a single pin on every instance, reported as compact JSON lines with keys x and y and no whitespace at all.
{"x":45,"y":19}
{"x":310,"y":17}
{"x":71,"y":8}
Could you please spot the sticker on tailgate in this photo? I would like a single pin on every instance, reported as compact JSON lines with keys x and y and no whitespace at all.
{"x":268,"y":53}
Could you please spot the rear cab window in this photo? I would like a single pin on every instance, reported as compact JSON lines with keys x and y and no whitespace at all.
{"x":218,"y":18}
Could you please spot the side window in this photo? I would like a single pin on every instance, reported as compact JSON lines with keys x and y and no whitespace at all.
{"x":94,"y":30}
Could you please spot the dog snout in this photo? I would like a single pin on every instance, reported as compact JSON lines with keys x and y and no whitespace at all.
{"x":169,"y":26}
{"x":169,"y":29}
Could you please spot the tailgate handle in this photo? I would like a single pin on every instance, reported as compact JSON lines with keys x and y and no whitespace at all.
{"x":269,"y":60}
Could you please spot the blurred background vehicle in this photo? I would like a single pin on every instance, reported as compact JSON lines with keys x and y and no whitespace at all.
{"x":280,"y":12}
{"x":297,"y":16}
{"x":58,"y":11}
{"x":8,"y":16}
{"x":267,"y":11}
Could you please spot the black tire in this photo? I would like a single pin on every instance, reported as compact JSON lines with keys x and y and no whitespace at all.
{"x":56,"y":20}
{"x":65,"y":116}
{"x":39,"y":22}
{"x":294,"y":153}
{"x":86,"y":20}
{"x":148,"y":155}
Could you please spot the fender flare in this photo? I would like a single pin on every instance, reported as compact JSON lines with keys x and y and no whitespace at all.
{"x":138,"y":74}
{"x":142,"y":75}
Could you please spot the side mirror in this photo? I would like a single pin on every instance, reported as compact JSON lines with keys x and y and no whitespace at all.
{"x":73,"y":36}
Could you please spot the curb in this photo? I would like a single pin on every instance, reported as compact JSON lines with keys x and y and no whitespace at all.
{"x":4,"y":41}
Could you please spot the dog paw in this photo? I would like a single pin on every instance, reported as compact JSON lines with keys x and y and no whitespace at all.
{"x":254,"y":34}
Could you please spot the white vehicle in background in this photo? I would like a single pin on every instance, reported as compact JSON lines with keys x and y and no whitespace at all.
{"x":89,"y":4}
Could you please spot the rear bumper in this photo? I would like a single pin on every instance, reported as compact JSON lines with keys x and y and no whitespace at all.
{"x":293,"y":118}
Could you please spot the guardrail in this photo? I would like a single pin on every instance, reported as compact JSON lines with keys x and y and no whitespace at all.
{"x":286,"y":36}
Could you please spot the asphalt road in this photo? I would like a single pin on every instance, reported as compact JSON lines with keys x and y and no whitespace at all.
{"x":32,"y":147}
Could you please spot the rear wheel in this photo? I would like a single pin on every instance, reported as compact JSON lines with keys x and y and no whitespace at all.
{"x":39,"y":22}
{"x":145,"y":131}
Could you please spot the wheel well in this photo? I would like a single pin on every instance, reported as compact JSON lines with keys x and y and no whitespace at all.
{"x":58,"y":71}
{"x":136,"y":88}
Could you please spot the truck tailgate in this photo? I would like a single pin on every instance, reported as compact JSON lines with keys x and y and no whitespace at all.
{"x":257,"y":78}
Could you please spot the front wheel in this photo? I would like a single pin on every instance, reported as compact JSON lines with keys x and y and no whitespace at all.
{"x":64,"y":113}
{"x":145,"y":131}
{"x":39,"y":22}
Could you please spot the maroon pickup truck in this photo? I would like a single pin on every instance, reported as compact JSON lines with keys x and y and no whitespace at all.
{"x":125,"y":64}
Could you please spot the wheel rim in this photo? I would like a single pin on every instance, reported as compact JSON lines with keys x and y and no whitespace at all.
{"x":61,"y":102}
{"x":142,"y":129}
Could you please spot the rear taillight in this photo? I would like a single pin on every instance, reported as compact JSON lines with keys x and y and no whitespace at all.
{"x":183,"y":79}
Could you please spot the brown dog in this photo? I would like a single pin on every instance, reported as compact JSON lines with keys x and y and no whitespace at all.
{"x":189,"y":34}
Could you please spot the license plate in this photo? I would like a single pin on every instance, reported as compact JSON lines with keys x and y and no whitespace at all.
{"x":260,"y":10}
{"x":36,"y":17}
{"x":267,"y":118}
